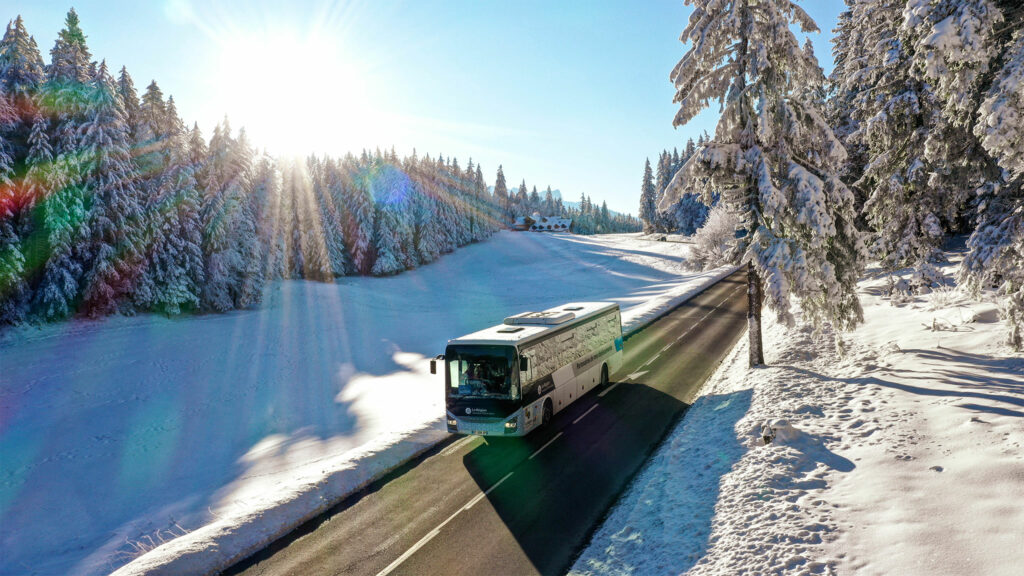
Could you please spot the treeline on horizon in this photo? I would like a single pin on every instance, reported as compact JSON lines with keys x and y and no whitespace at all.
{"x":109,"y":203}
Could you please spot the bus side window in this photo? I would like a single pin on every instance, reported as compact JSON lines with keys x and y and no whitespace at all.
{"x":454,"y":373}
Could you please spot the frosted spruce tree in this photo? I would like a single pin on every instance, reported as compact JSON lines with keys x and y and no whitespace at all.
{"x":773,"y":158}
{"x":117,"y":261}
{"x":648,"y":199}
{"x":176,"y":261}
{"x":909,"y":205}
{"x":501,"y":194}
{"x":973,"y":52}
{"x":21,"y":66}
{"x":13,"y":288}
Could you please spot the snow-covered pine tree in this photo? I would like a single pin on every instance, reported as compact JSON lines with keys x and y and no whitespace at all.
{"x":331,"y":215}
{"x":311,"y":231}
{"x":149,"y":134}
{"x":908,"y":208}
{"x":390,"y":192}
{"x":425,"y":228}
{"x":648,"y":199}
{"x":501,"y":195}
{"x":21,"y":76}
{"x":117,"y":262}
{"x":130,"y":101}
{"x":772,"y":157}
{"x":222,"y":260}
{"x":14,"y":292}
{"x":176,"y":263}
{"x":359,"y":225}
{"x":849,"y":54}
{"x":522,"y":200}
{"x":973,"y":52}
{"x":21,"y":65}
{"x":66,"y":209}
{"x":63,"y":216}
{"x":249,"y":290}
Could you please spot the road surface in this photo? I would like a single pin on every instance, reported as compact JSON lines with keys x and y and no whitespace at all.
{"x":510,"y":506}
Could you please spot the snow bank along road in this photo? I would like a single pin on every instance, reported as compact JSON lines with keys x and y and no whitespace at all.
{"x":522,"y":506}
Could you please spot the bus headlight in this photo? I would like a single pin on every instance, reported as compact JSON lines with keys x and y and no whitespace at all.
{"x":453,"y":424}
{"x":511,"y":426}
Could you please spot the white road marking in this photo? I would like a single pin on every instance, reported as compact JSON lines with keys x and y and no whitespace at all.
{"x":606,"y":390}
{"x":481,"y":496}
{"x":457,"y":446}
{"x":637,"y":374}
{"x":423,"y":541}
{"x":544,"y":446}
{"x":584,"y":415}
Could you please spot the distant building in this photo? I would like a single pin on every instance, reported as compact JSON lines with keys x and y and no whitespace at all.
{"x":523,"y":223}
{"x":550,"y":224}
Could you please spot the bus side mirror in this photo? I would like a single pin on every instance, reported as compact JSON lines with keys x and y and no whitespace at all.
{"x":433,"y":363}
{"x":524,"y":363}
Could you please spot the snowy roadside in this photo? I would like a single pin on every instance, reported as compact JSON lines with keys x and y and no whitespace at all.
{"x":901,"y":456}
{"x":207,"y":437}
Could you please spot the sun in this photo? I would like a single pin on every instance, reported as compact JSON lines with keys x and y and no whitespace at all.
{"x":296,"y":93}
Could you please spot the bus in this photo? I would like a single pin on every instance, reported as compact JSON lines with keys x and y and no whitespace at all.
{"x":511,"y":378}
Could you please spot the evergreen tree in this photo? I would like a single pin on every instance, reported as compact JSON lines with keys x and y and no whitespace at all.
{"x":21,"y":66}
{"x":501,"y":194}
{"x":63,"y":215}
{"x":772,"y":157}
{"x":907,"y":206}
{"x":70,"y":57}
{"x":648,"y":199}
{"x":116,"y":263}
{"x":972,"y":51}
{"x":130,"y":101}
{"x":13,"y":288}
{"x":359,"y":227}
{"x":176,"y":262}
{"x":392,"y":234}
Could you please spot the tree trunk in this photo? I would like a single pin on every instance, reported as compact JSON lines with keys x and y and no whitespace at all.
{"x":754,"y":315}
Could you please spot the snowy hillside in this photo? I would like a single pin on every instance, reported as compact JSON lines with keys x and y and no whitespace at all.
{"x":121,"y":433}
{"x":902,"y":455}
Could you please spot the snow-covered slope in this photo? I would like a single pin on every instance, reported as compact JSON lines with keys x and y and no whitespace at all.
{"x":902,"y":455}
{"x":119,"y":434}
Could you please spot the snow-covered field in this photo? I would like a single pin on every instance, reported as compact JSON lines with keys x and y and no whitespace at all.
{"x":119,"y":434}
{"x":903,"y":455}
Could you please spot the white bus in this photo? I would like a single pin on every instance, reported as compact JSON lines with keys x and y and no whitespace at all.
{"x":511,"y":378}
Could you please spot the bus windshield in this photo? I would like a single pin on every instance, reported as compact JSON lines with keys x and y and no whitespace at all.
{"x":482,"y":372}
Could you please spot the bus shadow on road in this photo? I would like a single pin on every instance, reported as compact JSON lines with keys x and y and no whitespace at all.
{"x":550,"y":501}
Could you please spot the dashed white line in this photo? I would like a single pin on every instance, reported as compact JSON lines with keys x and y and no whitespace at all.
{"x":584,"y":415}
{"x":544,"y":446}
{"x":607,"y":390}
{"x":423,"y":541}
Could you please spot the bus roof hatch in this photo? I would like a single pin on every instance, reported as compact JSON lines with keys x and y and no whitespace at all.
{"x":548,"y":318}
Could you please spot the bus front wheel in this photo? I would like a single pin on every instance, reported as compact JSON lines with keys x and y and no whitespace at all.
{"x":546,"y":417}
{"x":604,"y":375}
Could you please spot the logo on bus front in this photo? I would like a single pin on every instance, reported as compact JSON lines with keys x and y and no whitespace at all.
{"x":470,"y":411}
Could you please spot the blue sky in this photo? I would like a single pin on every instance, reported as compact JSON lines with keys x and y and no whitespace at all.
{"x":574,"y":94}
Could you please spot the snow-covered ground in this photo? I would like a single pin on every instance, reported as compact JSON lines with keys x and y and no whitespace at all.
{"x":903,"y":455}
{"x":119,"y":434}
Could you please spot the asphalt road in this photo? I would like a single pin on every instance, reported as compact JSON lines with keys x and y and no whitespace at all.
{"x":511,"y":506}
